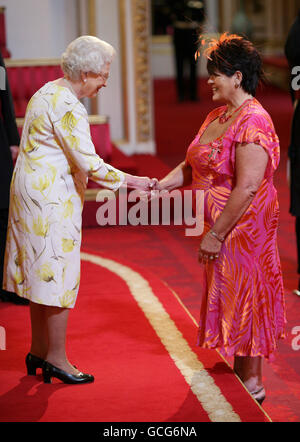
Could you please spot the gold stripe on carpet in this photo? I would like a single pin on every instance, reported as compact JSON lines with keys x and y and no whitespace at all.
{"x":193,"y":371}
{"x":220,"y":354}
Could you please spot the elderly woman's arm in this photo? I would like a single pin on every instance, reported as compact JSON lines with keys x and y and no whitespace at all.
{"x":251,"y":163}
{"x":73,"y":133}
{"x":178,"y":177}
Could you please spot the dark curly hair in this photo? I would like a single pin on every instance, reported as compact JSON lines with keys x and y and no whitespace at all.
{"x":233,"y":53}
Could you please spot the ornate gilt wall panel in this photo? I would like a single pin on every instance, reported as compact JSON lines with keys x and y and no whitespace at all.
{"x":141,"y":36}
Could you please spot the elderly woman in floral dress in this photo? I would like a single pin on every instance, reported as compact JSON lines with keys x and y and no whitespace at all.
{"x":56,"y":159}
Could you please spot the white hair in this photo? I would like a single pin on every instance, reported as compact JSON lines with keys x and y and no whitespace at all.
{"x":86,"y":54}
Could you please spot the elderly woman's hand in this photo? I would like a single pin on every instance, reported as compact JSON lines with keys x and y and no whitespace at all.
{"x":140,"y":183}
{"x":209,"y":248}
{"x":146,"y":184}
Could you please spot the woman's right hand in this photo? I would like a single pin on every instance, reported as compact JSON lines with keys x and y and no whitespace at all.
{"x":139,"y":183}
{"x":147,"y":184}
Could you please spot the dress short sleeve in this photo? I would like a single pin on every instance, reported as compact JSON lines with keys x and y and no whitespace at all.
{"x":258,"y":128}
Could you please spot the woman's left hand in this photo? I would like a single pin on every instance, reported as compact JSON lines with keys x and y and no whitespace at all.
{"x":209,"y":249}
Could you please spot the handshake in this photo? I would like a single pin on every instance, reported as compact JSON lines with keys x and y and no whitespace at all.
{"x":147,"y":185}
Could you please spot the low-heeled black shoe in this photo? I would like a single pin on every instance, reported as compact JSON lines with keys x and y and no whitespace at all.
{"x":32,"y":363}
{"x":50,"y":371}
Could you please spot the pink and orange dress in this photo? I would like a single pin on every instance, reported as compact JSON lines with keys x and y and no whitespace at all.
{"x":243,"y":308}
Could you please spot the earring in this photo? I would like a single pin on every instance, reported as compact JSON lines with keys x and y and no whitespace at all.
{"x":236,"y":85}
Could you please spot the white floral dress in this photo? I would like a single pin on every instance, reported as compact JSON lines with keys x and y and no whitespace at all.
{"x":57,"y":156}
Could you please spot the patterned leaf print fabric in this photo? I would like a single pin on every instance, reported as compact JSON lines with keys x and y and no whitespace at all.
{"x":243,"y":310}
{"x":42,"y":260}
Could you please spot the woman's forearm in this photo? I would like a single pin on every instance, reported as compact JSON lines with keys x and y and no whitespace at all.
{"x":178,"y":177}
{"x":237,"y":204}
{"x":135,"y":182}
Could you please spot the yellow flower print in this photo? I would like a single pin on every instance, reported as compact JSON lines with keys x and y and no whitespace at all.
{"x":43,"y":183}
{"x":24,"y":225}
{"x":73,"y":142}
{"x":15,"y":203}
{"x":39,"y":228}
{"x":55,"y":97}
{"x":64,"y":273}
{"x":68,"y":208}
{"x":35,"y":160}
{"x":67,"y":245}
{"x":45,"y":273}
{"x":28,"y":167}
{"x":53,"y":172}
{"x":36,"y":125}
{"x":112,"y":176}
{"x":20,"y":256}
{"x":19,"y":277}
{"x":31,"y":145}
{"x":68,"y":122}
{"x":68,"y":298}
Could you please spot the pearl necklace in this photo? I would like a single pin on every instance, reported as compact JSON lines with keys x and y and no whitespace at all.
{"x":70,"y":86}
{"x":223,"y":117}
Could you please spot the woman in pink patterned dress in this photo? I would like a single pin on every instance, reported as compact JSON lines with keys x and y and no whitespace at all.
{"x":232,"y":159}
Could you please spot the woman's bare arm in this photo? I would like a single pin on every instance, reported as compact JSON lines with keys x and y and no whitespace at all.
{"x":251,"y":163}
{"x":178,"y":177}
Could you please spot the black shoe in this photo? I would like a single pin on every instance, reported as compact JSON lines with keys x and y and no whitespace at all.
{"x":6,"y":296}
{"x":50,"y":371}
{"x":32,"y":363}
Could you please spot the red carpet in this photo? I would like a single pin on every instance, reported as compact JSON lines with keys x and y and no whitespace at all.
{"x":176,"y":124}
{"x":111,"y":337}
{"x":141,"y":351}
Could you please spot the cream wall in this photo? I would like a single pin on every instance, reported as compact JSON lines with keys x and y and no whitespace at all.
{"x":43,"y":28}
{"x":39,"y":28}
{"x":110,"y":100}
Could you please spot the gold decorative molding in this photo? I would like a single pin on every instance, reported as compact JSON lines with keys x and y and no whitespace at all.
{"x":98,"y":119}
{"x":141,"y":39}
{"x":161,"y":39}
{"x":122,"y":22}
{"x":92,"y":30}
{"x":91,"y":194}
{"x":92,"y":22}
{"x":10,"y":62}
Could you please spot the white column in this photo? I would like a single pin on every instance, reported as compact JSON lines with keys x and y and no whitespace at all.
{"x":110,"y":99}
{"x":228,"y":9}
{"x":137,"y":82}
{"x":212,"y":13}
